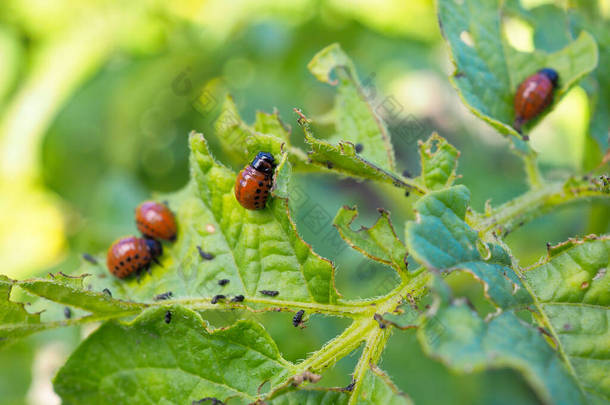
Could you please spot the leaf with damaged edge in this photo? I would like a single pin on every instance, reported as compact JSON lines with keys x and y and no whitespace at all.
{"x":355,"y":119}
{"x":440,"y":239}
{"x":254,"y":250}
{"x":376,"y":389}
{"x":15,"y":321}
{"x":378,"y":242}
{"x":438,"y":162}
{"x":466,"y":343}
{"x":152,"y":361}
{"x":572,"y":289}
{"x":488,"y":70}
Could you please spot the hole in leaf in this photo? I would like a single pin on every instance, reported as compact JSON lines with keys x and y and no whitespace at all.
{"x":467,"y":38}
{"x":519,"y":34}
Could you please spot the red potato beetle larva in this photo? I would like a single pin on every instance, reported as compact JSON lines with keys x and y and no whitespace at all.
{"x":130,"y":255}
{"x":155,"y":220}
{"x":534,"y":95}
{"x":254,"y":182}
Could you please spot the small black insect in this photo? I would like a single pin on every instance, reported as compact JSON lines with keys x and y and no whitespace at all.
{"x":213,"y":401}
{"x":107,"y":291}
{"x":223,"y":282}
{"x":350,"y":386}
{"x":204,"y":255}
{"x":359,"y":147}
{"x":164,"y":296}
{"x":168,"y":317}
{"x":270,"y":293}
{"x":237,"y":298}
{"x":298,"y":318}
{"x":89,"y":258}
{"x":67,"y":313}
{"x":217,"y":298}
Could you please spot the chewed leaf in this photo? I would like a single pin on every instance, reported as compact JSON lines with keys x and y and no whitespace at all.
{"x":71,"y":291}
{"x":356,"y":121}
{"x":160,"y":357}
{"x":573,"y":288}
{"x":466,"y":343}
{"x":378,"y":242}
{"x":219,"y":239}
{"x":343,"y":158}
{"x":438,"y":162}
{"x":376,"y":389}
{"x":440,"y":239}
{"x":488,"y":70}
{"x":15,"y":321}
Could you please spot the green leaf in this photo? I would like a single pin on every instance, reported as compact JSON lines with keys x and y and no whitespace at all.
{"x":152,"y":361}
{"x":378,"y":242}
{"x":572,"y":289}
{"x":254,"y":250}
{"x":488,"y":70}
{"x":71,"y":291}
{"x":15,"y":321}
{"x":440,"y":239}
{"x":376,"y":389}
{"x":438,"y":162}
{"x":463,"y":341}
{"x":355,"y":119}
{"x":342,"y":158}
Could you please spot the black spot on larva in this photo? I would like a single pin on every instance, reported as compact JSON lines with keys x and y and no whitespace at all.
{"x":129,"y":259}
{"x":137,"y":256}
{"x":217,"y":298}
{"x":223,"y":282}
{"x":237,"y":298}
{"x":258,"y":190}
{"x":270,"y":293}
{"x":67,"y":313}
{"x":107,"y":291}
{"x":204,"y":255}
{"x":298,"y":318}
{"x":168,"y":317}
{"x":164,"y":296}
{"x":256,"y":197}
{"x":359,"y":147}
{"x":89,"y":258}
{"x":260,"y":183}
{"x":116,"y":267}
{"x":122,"y":263}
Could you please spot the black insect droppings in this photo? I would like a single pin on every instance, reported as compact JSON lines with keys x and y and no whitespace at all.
{"x":168,"y":317}
{"x":67,"y":313}
{"x":213,"y":401}
{"x":298,"y":318}
{"x":407,"y":193}
{"x":407,"y":174}
{"x":329,"y":164}
{"x":238,"y":298}
{"x":270,"y":293}
{"x":107,"y":291}
{"x":223,"y":282}
{"x":89,"y":258}
{"x":359,"y":147}
{"x":217,"y":298}
{"x":204,"y":255}
{"x":164,"y":296}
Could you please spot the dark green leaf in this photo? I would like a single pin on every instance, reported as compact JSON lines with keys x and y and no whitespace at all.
{"x":572,"y":287}
{"x":488,"y":70}
{"x":152,"y":361}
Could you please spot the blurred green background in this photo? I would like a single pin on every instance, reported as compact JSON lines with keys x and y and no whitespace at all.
{"x":97,"y":98}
